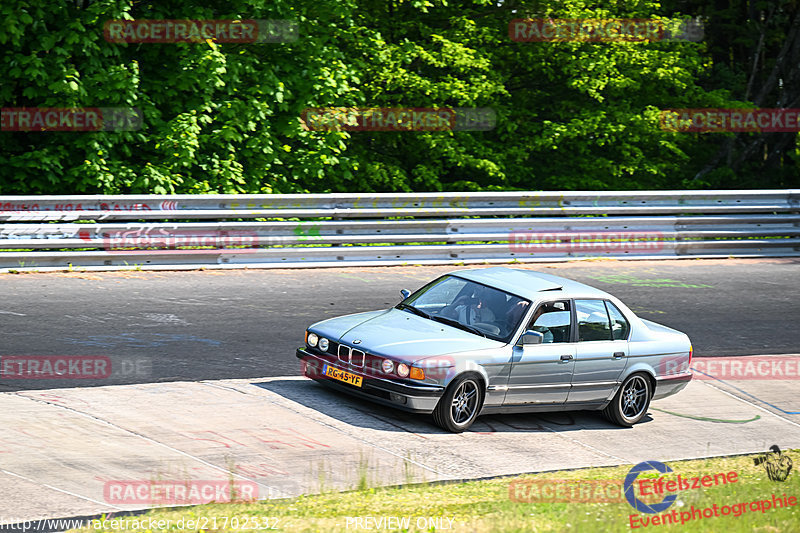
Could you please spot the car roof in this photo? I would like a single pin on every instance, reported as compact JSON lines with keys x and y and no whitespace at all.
{"x":530,"y":284}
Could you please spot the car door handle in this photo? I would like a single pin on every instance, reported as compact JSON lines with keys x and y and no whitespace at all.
{"x":619,"y":355}
{"x":566,"y":358}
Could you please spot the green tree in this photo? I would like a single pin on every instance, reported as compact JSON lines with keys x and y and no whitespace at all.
{"x":223,"y":117}
{"x":217,"y":117}
{"x":754,"y":54}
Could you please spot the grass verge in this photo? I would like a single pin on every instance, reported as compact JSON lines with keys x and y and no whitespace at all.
{"x":489,"y":506}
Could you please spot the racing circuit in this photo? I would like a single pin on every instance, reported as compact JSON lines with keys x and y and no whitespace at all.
{"x":206,"y":384}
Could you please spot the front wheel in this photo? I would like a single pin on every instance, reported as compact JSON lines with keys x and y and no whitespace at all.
{"x":631,"y":401}
{"x":459,"y":407}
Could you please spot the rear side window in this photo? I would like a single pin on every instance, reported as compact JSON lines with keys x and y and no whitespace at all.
{"x":619,"y":326}
{"x":593,"y":322}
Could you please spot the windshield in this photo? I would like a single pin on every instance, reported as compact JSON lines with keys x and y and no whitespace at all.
{"x":470,"y":306}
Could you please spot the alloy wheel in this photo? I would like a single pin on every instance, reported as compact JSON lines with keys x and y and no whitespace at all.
{"x":465,"y":402}
{"x":634,"y":397}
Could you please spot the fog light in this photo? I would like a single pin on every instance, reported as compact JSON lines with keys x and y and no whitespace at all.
{"x":397,"y":398}
{"x":312,"y":339}
{"x":387,"y":366}
{"x":402,"y":370}
{"x":323,"y":344}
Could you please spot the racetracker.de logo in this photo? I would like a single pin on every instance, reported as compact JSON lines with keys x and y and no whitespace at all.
{"x":70,"y":119}
{"x":756,"y":367}
{"x":730,"y":120}
{"x":566,"y":490}
{"x":54,"y":367}
{"x":577,"y":241}
{"x":179,"y":240}
{"x":194,"y":492}
{"x":399,"y":119}
{"x":198,"y":31}
{"x":604,"y":30}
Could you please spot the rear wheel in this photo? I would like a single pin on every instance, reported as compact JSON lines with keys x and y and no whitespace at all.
{"x":631,"y":401}
{"x":459,"y":407}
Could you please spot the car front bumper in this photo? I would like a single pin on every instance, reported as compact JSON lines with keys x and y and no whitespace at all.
{"x":417,"y":398}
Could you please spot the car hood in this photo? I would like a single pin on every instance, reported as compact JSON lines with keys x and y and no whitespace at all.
{"x":402,"y":334}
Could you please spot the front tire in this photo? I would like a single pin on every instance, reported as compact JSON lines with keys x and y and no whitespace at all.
{"x":631,"y":401}
{"x":460,"y":405}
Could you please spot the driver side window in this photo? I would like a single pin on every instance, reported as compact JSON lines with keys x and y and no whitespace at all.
{"x":553,"y":320}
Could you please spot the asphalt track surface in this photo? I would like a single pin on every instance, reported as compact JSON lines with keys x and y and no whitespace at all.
{"x":198,"y":325}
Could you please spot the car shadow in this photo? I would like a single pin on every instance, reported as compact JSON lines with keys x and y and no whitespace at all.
{"x":365,"y":414}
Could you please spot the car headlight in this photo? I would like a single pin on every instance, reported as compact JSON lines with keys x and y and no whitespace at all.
{"x":312,"y":339}
{"x":387,"y":366}
{"x":402,"y":370}
{"x":323,"y":344}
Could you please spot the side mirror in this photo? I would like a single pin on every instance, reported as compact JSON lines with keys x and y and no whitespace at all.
{"x":405,"y":293}
{"x":531,"y":337}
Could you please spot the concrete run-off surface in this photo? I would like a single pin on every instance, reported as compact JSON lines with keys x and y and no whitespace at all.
{"x":60,"y":449}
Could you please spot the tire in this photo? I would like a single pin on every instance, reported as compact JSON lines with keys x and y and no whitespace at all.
{"x":460,"y":405}
{"x":631,"y":401}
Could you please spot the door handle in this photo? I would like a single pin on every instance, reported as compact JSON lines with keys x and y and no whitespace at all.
{"x":566,"y":357}
{"x":619,"y":355}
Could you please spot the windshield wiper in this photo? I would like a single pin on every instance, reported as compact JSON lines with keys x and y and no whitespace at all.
{"x":445,"y":320}
{"x":457,"y":324}
{"x":414,"y":310}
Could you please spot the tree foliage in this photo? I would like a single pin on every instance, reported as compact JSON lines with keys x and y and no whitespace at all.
{"x":226,"y":117}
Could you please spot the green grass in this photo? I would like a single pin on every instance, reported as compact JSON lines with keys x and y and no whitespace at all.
{"x":485,"y":506}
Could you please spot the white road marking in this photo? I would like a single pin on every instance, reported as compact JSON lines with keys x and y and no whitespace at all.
{"x":60,"y":490}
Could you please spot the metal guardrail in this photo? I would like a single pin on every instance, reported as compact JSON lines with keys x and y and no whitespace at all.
{"x":189,"y":231}
{"x":215,"y":206}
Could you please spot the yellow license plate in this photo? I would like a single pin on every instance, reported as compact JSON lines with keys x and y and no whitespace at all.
{"x":341,"y":375}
